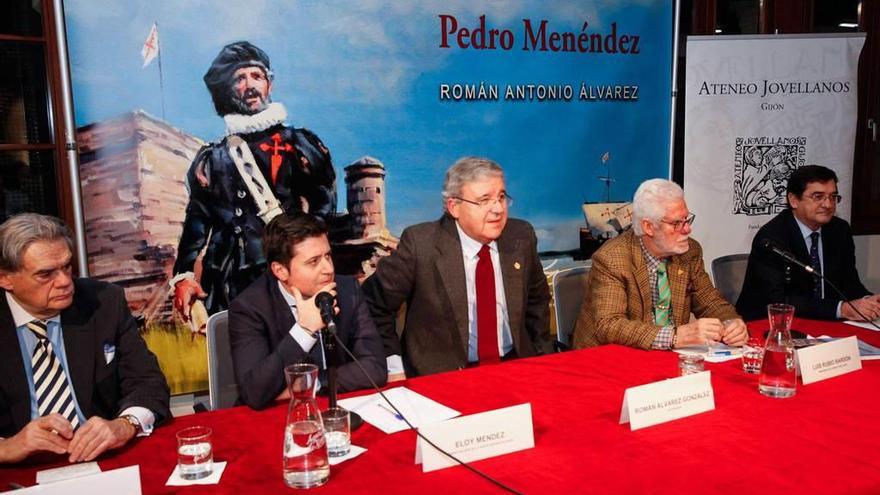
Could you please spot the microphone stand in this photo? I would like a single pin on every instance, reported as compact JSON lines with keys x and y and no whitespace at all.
{"x":787,"y":288}
{"x":816,"y":273}
{"x":331,"y":357}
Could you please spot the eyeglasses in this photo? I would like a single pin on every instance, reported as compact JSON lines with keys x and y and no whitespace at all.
{"x":679,"y":224}
{"x":822,"y":197}
{"x":503,"y":199}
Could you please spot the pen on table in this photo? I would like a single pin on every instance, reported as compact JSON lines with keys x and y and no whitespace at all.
{"x":721,"y":353}
{"x":396,"y":415}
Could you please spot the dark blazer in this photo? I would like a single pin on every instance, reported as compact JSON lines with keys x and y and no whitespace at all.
{"x":427,"y":273}
{"x":259,"y":324}
{"x":765,"y":275}
{"x":99,"y":315}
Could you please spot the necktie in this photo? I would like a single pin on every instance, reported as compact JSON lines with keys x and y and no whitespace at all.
{"x":664,"y":297}
{"x":50,"y":382}
{"x":814,"y":262}
{"x":487,"y":320}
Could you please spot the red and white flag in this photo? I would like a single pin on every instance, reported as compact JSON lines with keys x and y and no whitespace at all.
{"x":151,"y":46}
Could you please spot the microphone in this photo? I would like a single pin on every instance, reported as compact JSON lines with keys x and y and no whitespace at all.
{"x":771,"y":246}
{"x":324,"y":301}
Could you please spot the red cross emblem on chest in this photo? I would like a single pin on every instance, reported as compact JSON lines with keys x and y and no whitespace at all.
{"x":276,"y":148}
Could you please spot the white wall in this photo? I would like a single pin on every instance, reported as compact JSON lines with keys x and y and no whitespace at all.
{"x":868,"y":261}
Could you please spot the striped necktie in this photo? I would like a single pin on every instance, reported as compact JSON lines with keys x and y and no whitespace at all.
{"x":51,"y":387}
{"x":816,"y":265}
{"x":664,"y":297}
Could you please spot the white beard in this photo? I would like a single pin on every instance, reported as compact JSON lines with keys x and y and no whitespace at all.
{"x":237,"y":123}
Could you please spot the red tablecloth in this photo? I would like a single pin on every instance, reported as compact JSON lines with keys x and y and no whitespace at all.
{"x":819,"y":441}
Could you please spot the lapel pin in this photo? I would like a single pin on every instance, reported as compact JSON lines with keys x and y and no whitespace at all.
{"x":516,"y":264}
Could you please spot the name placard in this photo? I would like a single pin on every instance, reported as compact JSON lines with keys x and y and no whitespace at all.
{"x":823,"y":361}
{"x":659,"y":402}
{"x":122,"y":481}
{"x":475,"y":437}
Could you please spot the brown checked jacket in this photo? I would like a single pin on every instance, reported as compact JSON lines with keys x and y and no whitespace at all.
{"x":618,"y":307}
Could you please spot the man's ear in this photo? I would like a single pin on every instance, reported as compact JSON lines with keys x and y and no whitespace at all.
{"x":792,"y":201}
{"x":648,"y":227}
{"x":279,"y":271}
{"x":452,"y":205}
{"x":6,"y":280}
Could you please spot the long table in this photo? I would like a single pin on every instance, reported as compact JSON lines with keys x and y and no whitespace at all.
{"x":819,"y":441}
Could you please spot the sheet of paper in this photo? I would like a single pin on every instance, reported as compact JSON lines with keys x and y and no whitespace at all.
{"x":354,"y":452}
{"x":415,"y":407}
{"x":211,"y":479}
{"x":720,"y":353}
{"x":864,"y":324}
{"x":67,"y":472}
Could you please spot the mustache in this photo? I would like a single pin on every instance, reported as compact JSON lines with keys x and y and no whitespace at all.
{"x":252,"y":93}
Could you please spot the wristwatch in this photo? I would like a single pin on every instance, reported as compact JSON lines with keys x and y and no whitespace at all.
{"x":133,"y":421}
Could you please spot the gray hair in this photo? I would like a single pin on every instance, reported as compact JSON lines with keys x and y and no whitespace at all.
{"x":24,"y":229}
{"x":650,"y":199}
{"x":466,"y":170}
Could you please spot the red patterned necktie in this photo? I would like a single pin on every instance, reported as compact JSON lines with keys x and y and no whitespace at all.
{"x":487,"y":320}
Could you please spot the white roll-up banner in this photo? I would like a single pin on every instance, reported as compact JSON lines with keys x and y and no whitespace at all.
{"x":757,"y":108}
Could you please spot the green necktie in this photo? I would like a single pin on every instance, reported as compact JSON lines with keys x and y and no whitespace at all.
{"x":664,"y":297}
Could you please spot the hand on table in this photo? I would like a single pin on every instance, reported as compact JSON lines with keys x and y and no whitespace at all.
{"x":699,"y":332}
{"x":97,"y":436}
{"x":50,"y":433}
{"x":735,"y":333}
{"x":869,"y":306}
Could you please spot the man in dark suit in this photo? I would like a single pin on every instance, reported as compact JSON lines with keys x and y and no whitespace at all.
{"x":472,"y":282}
{"x":809,"y":230}
{"x":275,"y":321}
{"x":77,"y":376}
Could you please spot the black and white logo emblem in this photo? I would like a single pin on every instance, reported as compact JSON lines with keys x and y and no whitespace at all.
{"x":761,"y":169}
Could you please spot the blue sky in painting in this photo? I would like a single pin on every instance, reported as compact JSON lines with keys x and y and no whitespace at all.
{"x":365,"y":77}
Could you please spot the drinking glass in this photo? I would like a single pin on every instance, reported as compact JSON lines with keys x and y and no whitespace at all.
{"x":195,"y":452}
{"x":337,"y":431}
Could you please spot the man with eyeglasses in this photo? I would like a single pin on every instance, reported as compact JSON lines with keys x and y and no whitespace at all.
{"x":474,"y":288}
{"x":645,"y":283}
{"x":809,"y":230}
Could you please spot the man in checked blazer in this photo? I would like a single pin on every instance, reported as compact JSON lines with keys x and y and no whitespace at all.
{"x":625,"y":302}
{"x":434,"y":270}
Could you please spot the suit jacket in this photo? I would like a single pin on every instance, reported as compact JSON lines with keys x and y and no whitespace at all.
{"x":427,"y":273}
{"x":99,"y":315}
{"x":259,"y":333}
{"x":618,"y":305}
{"x":765,"y":276}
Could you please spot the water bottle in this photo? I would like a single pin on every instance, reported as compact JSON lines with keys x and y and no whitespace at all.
{"x":304,"y":461}
{"x":778,"y":377}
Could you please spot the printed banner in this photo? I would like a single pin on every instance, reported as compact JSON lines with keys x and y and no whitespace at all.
{"x":757,"y":108}
{"x":377,"y":100}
